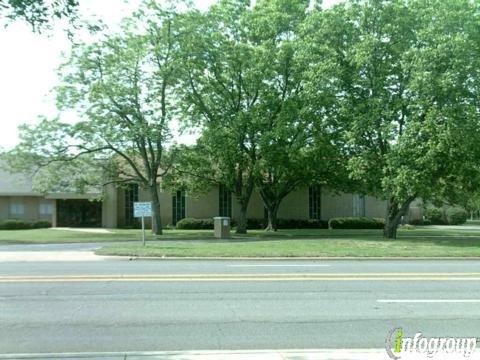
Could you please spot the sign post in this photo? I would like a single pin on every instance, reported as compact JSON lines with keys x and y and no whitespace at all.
{"x":142,"y":210}
{"x":143,"y":230}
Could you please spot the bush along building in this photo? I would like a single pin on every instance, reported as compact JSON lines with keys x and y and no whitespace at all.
{"x":307,"y":207}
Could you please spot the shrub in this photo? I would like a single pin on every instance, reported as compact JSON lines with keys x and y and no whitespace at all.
{"x":252,"y":224}
{"x":420,"y":222}
{"x":15,"y":225}
{"x":195,"y":224}
{"x":356,"y":223}
{"x":451,"y":215}
{"x":456,"y":215}
{"x":256,"y":224}
{"x":260,"y":224}
{"x":434,"y":215}
{"x":300,"y":224}
{"x":42,"y":224}
{"x":134,"y":226}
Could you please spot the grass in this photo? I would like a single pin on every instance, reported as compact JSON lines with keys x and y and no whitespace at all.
{"x":53,"y":236}
{"x":411,"y":242}
{"x":46,"y":236}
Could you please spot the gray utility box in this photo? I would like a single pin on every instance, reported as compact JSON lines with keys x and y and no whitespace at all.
{"x":221,"y":226}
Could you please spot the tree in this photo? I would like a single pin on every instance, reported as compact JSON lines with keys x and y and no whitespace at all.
{"x":243,"y":79}
{"x":48,"y":174}
{"x":39,"y":13}
{"x":124,"y":90}
{"x":472,"y":205}
{"x":294,"y":146}
{"x":404,"y":76}
{"x":284,"y":156}
{"x":222,"y":83}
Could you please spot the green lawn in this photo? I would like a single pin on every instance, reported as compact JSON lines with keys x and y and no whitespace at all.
{"x":412,"y":242}
{"x":47,"y":236}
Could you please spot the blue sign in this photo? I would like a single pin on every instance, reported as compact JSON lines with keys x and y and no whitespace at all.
{"x":142,"y":209}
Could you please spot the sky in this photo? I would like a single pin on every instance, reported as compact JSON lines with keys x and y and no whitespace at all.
{"x":28,"y":64}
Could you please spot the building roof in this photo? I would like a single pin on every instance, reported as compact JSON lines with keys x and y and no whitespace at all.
{"x":19,"y":184}
{"x":15,"y":184}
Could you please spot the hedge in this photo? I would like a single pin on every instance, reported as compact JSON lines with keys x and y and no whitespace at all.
{"x":446,"y":215}
{"x":434,"y":215}
{"x":42,"y":224}
{"x":257,"y":224}
{"x":356,"y":223}
{"x":301,"y":224}
{"x":260,"y":224}
{"x":15,"y":225}
{"x":456,"y":215}
{"x":420,"y":222}
{"x":24,"y":225}
{"x":195,"y":224}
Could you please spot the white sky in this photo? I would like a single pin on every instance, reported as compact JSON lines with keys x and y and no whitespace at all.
{"x":28,"y":64}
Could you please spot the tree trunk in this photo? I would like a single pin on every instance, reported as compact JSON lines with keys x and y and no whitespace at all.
{"x":272,"y":211}
{"x":272,"y":201}
{"x":242,"y":220}
{"x":395,"y":211}
{"x":156,"y":218}
{"x":243,"y":194}
{"x":390,"y":229}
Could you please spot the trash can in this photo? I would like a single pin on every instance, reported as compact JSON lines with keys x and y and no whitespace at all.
{"x":221,"y":227}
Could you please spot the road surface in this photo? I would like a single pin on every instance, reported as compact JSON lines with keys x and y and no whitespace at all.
{"x":121,"y":305}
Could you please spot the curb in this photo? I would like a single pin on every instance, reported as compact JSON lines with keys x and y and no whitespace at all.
{"x":332,"y":258}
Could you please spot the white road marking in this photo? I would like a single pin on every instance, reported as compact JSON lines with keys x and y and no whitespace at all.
{"x":429,"y":301}
{"x":279,"y":265}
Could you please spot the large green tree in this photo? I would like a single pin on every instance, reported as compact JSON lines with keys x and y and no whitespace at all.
{"x":244,"y":80}
{"x":222,"y":85}
{"x":39,"y":13}
{"x":292,"y":146}
{"x":404,"y":76}
{"x":123,"y":89}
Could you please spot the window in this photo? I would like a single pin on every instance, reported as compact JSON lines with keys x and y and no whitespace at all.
{"x":315,"y":202}
{"x":17,"y":209}
{"x":358,"y":205}
{"x":224,"y":201}
{"x":178,"y":206}
{"x":46,"y":209}
{"x":131,"y":196}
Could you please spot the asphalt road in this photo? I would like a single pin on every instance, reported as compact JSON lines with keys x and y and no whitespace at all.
{"x":121,"y":305}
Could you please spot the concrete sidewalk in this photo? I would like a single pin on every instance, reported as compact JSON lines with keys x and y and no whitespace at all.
{"x":314,"y":354}
{"x":48,"y":256}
